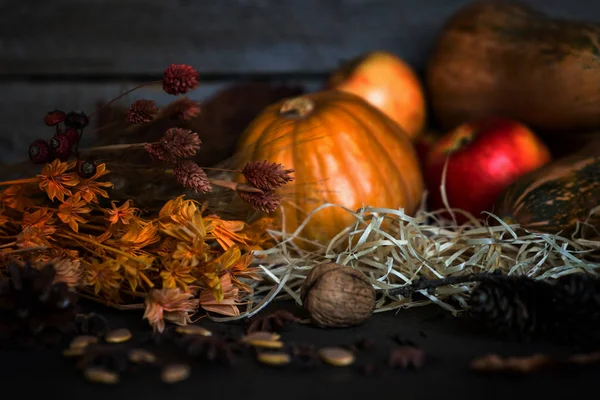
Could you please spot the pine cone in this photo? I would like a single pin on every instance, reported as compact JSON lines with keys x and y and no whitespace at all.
{"x":566,"y":310}
{"x":33,"y":309}
{"x":576,"y":310}
{"x":515,"y":307}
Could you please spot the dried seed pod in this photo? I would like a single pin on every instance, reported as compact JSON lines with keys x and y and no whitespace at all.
{"x":274,"y":359}
{"x":101,"y":375}
{"x":175,"y":373}
{"x":337,"y":296}
{"x":141,"y":356}
{"x":336,"y":356}
{"x":193,"y":330}
{"x":118,"y":336}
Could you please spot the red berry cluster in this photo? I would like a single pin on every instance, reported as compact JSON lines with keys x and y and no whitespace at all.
{"x":69,"y":128}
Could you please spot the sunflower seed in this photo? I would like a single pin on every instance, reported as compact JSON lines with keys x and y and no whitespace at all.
{"x":270,"y":336}
{"x":266,"y":344}
{"x":275,"y":359}
{"x":101,"y":375}
{"x":193,"y":330}
{"x":336,"y":356}
{"x":73,"y":351}
{"x":141,"y":356}
{"x":175,"y":373}
{"x":80,"y":342}
{"x":118,"y":336}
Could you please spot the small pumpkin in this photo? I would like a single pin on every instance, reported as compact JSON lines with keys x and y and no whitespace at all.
{"x":556,"y":197}
{"x":387,"y":82}
{"x":505,"y":58}
{"x":343,"y":150}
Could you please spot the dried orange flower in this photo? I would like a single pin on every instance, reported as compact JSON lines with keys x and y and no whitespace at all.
{"x":68,"y":271}
{"x":139,"y":235}
{"x":169,"y":304}
{"x":15,"y":197}
{"x":228,"y":305}
{"x":210,"y":270}
{"x":123,"y":214}
{"x":54,"y":179}
{"x":36,"y":229}
{"x":240,"y":270}
{"x":174,"y":274}
{"x":225,"y":232}
{"x":191,"y":254}
{"x":105,"y":277}
{"x":134,"y":270}
{"x":90,"y":188}
{"x":69,"y":211}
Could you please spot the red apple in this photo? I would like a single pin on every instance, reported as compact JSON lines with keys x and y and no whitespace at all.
{"x":484,"y":157}
{"x":387,"y":82}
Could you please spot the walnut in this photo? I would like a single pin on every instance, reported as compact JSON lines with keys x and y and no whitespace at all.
{"x":337,"y":296}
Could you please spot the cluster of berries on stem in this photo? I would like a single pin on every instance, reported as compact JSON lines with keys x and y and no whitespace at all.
{"x":174,"y":150}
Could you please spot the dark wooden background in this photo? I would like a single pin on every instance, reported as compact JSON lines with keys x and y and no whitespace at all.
{"x":72,"y":54}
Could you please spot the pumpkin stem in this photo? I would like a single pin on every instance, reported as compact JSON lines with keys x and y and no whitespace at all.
{"x":298,"y":107}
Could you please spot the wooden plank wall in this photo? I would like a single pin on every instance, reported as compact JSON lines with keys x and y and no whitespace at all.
{"x":71,"y":54}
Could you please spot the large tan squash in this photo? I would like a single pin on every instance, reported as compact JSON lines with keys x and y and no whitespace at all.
{"x":498,"y":58}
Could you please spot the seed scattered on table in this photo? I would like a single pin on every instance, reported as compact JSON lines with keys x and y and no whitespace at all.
{"x":141,"y":356}
{"x":118,"y":336}
{"x":101,"y":375}
{"x":73,"y":351}
{"x":175,"y":373}
{"x":193,"y":330}
{"x":275,"y":359}
{"x":265,"y":340}
{"x":270,"y":336}
{"x":336,"y":356}
{"x":80,"y":342}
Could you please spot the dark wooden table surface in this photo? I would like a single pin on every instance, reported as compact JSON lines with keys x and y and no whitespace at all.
{"x":449,"y":342}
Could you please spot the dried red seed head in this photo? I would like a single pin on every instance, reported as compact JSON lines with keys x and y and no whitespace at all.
{"x":39,"y":152}
{"x":60,"y":146}
{"x":72,"y":135}
{"x":86,"y":168}
{"x":179,"y":79}
{"x":77,"y":120}
{"x":54,"y":117}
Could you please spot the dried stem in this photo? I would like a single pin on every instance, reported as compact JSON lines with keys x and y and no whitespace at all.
{"x":19,"y":181}
{"x":425,"y":284}
{"x":240,"y":187}
{"x":102,"y":246}
{"x":123,"y":95}
{"x":113,"y":147}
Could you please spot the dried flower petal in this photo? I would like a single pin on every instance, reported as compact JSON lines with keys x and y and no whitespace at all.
{"x":169,"y":304}
{"x":142,"y":112}
{"x":267,"y":175}
{"x":266,"y":202}
{"x":69,"y":211}
{"x":228,"y":305}
{"x":190,"y":175}
{"x":179,"y":79}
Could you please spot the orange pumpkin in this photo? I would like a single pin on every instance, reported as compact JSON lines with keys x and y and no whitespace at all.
{"x":343,"y":150}
{"x":387,"y":82}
